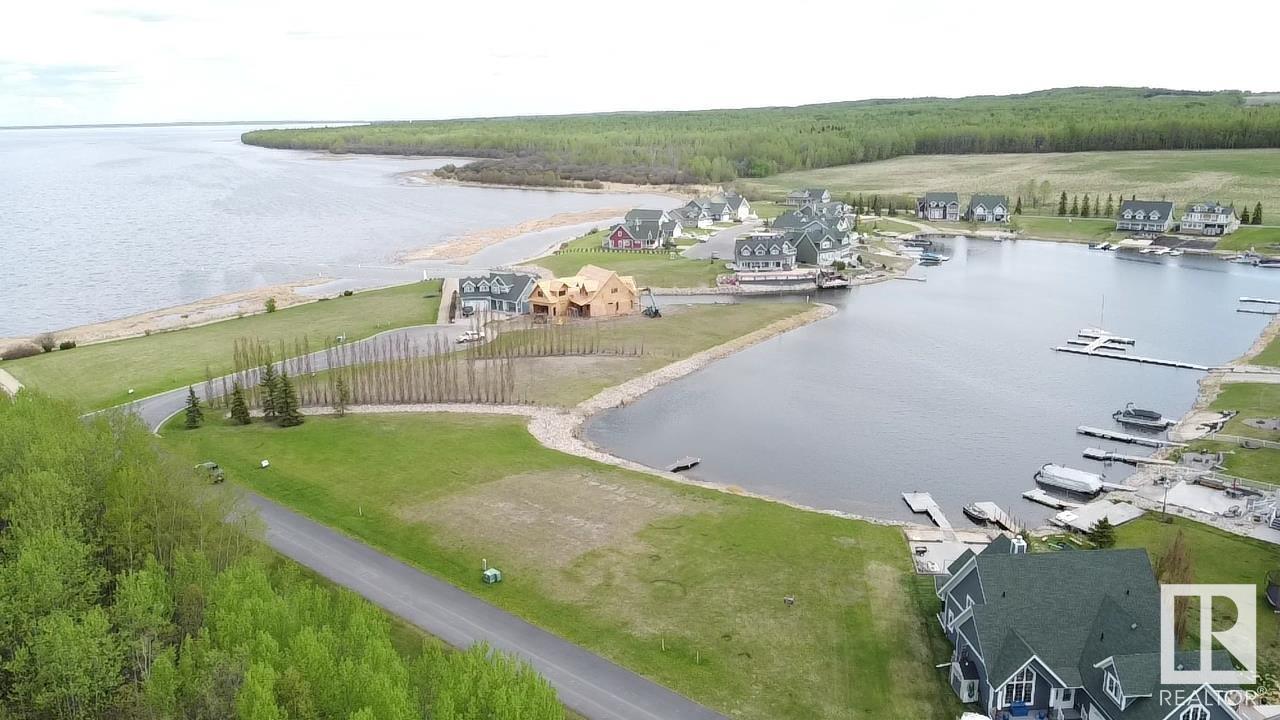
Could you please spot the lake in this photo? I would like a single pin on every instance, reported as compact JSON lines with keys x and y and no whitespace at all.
{"x":948,"y":386}
{"x":99,"y":223}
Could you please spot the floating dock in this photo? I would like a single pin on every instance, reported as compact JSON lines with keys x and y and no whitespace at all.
{"x":1099,"y":343}
{"x":1126,"y":437}
{"x":923,"y":502}
{"x":1112,"y":456}
{"x":1251,"y":311}
{"x":1037,"y":495}
{"x":1263,"y":301}
{"x":1132,"y":358}
{"x":999,"y":516}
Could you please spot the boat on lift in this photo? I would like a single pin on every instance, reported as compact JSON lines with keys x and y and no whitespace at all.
{"x":1070,"y":479}
{"x":977,"y":514}
{"x":1138,"y":417}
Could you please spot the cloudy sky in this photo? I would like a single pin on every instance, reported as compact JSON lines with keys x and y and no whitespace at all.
{"x":86,"y":61}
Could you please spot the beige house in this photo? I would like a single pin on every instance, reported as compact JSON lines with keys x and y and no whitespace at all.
{"x":592,"y":292}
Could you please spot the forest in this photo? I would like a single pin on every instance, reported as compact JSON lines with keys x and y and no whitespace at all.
{"x":721,"y":145}
{"x":125,"y":592}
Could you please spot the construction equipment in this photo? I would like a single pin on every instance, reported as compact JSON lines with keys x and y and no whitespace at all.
{"x":651,"y":310}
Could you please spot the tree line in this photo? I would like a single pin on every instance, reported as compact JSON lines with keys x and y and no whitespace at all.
{"x":722,"y":145}
{"x":131,"y":587}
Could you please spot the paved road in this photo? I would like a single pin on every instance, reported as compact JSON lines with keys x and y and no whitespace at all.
{"x":721,"y":242}
{"x":586,"y":682}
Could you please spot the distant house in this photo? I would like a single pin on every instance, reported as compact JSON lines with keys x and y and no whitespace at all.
{"x":1209,"y":218}
{"x":1145,"y":216}
{"x":1064,"y":635}
{"x":692,"y":215}
{"x":501,"y":292}
{"x":819,"y":244}
{"x":805,"y":197}
{"x":643,"y":229}
{"x":939,"y":206}
{"x":764,"y":251}
{"x":988,"y":209}
{"x":592,"y":292}
{"x":739,"y":207}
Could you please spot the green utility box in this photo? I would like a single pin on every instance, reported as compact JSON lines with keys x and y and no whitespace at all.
{"x":491,"y":576}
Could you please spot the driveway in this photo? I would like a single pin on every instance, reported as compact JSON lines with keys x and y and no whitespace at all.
{"x":585,"y":682}
{"x":721,"y":242}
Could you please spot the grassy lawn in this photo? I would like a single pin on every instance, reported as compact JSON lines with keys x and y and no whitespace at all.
{"x":887,"y":225}
{"x":101,"y":375}
{"x":1242,"y":176}
{"x":766,"y":210}
{"x":1064,"y":228}
{"x":1260,"y":238}
{"x":1252,"y":400}
{"x":649,"y":269}
{"x":622,"y":563}
{"x":1219,"y":557}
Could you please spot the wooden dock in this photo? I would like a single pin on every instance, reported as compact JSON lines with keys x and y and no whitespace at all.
{"x":1263,"y":301}
{"x":923,"y":502}
{"x":1037,"y":495}
{"x":1099,"y":343}
{"x":1251,"y":311}
{"x":1131,"y":358}
{"x":1126,"y":437}
{"x":1112,"y":456}
{"x":999,"y":516}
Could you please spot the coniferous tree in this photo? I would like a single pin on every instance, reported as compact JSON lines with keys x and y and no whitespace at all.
{"x":1257,"y":214}
{"x":341,"y":397}
{"x":1075,"y":204}
{"x":239,"y":408}
{"x":1244,"y":216}
{"x":1103,"y":533}
{"x":268,"y":392}
{"x":1111,"y":206}
{"x":1062,"y":203}
{"x":287,"y":414}
{"x":1084,"y":207}
{"x":1017,"y":207}
{"x":195,"y":416}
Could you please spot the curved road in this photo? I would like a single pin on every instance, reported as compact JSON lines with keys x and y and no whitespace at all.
{"x":589,"y":684}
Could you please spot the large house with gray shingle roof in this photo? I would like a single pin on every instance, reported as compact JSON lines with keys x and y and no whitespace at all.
{"x":809,"y":196}
{"x":1064,"y":635}
{"x":939,"y":206}
{"x":498,"y":291}
{"x":1145,"y":216}
{"x":1209,"y":218}
{"x":988,"y":209}
{"x":761,"y":251}
{"x":643,"y":229}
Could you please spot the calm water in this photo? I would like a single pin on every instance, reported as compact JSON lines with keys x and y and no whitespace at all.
{"x":948,"y":386}
{"x":100,"y":223}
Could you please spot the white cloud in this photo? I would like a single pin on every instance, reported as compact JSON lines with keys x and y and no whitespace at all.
{"x":137,"y":61}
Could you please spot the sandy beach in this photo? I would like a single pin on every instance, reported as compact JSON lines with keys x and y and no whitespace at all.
{"x":472,"y":243}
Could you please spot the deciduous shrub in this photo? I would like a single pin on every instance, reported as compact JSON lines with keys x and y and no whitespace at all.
{"x":15,"y":352}
{"x":46,"y":342}
{"x":66,"y":344}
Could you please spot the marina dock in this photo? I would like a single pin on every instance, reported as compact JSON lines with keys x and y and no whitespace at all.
{"x":1251,"y":311}
{"x":1112,"y":456}
{"x":1126,"y":437}
{"x":923,"y":502}
{"x":1263,"y":301}
{"x":999,"y":516}
{"x":1037,"y":495}
{"x":1099,"y":343}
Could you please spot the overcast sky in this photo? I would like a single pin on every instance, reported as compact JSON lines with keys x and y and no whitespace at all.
{"x":84,"y":61}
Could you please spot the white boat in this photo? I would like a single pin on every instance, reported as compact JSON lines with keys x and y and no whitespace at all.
{"x":1175,"y":253}
{"x":1078,"y":481}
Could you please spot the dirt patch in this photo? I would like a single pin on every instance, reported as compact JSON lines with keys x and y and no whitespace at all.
{"x":550,"y":519}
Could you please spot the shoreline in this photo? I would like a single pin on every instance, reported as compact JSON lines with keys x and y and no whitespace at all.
{"x":467,"y":246}
{"x":681,"y":192}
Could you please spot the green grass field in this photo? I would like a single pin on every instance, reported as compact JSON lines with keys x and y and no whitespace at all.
{"x":1218,"y":557}
{"x":1240,"y":176}
{"x":679,"y":583}
{"x":1251,"y":400}
{"x":767,"y":210}
{"x":887,"y":225}
{"x":1063,"y":228}
{"x":1265,"y":240}
{"x":101,"y":375}
{"x":649,"y":269}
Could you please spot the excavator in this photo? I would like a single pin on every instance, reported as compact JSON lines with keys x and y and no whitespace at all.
{"x":651,"y":310}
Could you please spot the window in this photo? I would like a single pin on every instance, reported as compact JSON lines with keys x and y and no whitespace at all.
{"x":1111,"y":685}
{"x":826,"y":244}
{"x":1020,"y":689}
{"x":1128,"y":214}
{"x":1155,"y":214}
{"x":484,"y":287}
{"x":469,"y":287}
{"x":1195,"y":712}
{"x":746,"y":251}
{"x":786,"y":247}
{"x":760,"y":250}
{"x":1139,"y":215}
{"x":1062,"y":697}
{"x":774,"y":250}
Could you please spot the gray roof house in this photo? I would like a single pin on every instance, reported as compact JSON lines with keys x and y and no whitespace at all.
{"x":804,"y":197}
{"x":692,"y":215}
{"x":498,"y":291}
{"x":739,"y":207}
{"x":988,"y":209}
{"x":939,"y":206}
{"x":643,"y":229}
{"x":819,"y":244}
{"x":1145,"y":216}
{"x":761,"y":251}
{"x":1064,"y":635}
{"x":1209,"y":218}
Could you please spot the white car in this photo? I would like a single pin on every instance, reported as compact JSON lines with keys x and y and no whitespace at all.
{"x":470,"y":336}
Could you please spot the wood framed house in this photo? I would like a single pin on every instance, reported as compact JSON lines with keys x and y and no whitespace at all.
{"x":1064,"y":636}
{"x":1145,"y":216}
{"x":944,"y":206}
{"x":800,"y":198}
{"x":643,"y":229}
{"x":592,"y":292}
{"x":762,"y":251}
{"x":988,"y":209}
{"x":1209,"y":218}
{"x":499,"y":292}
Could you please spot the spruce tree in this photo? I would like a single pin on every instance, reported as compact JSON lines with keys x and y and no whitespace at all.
{"x":1075,"y":204}
{"x":1111,"y":206}
{"x":1017,"y":207}
{"x":1062,"y":203}
{"x":287,"y":414}
{"x":1257,"y":214}
{"x":1084,"y":207}
{"x":1244,"y":216}
{"x":341,"y":397}
{"x":239,"y":408}
{"x":1103,"y":534}
{"x":268,"y":392}
{"x":195,"y":416}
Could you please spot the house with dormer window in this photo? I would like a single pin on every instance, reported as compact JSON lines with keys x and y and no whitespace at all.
{"x":1023,"y":648}
{"x":810,"y":196}
{"x":1209,"y":218}
{"x":988,"y":209}
{"x":1145,"y":216}
{"x":755,"y":252}
{"x":498,"y":292}
{"x":939,"y":206}
{"x":643,"y":229}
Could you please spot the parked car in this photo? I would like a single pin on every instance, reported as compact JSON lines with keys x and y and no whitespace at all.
{"x":470,"y":336}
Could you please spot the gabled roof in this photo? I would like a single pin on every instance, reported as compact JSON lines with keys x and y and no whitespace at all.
{"x":1164,"y":207}
{"x":583,"y":286}
{"x":641,"y":214}
{"x":734,"y":200}
{"x":517,"y":284}
{"x":988,"y":201}
{"x":940,"y":198}
{"x":1210,"y":206}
